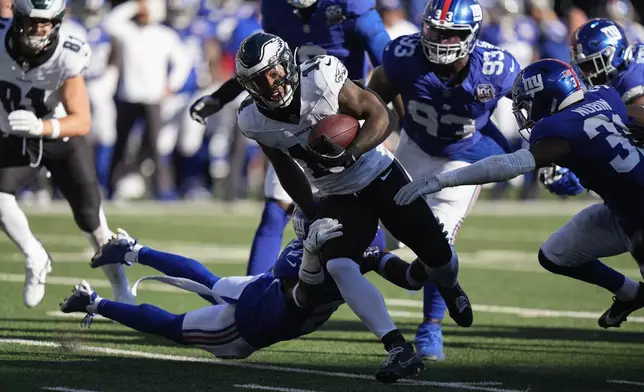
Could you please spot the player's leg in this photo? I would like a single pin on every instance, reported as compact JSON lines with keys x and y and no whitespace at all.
{"x":192,"y":163}
{"x":359,"y":224}
{"x":574,"y":249}
{"x":268,"y":237}
{"x":416,"y":226}
{"x":164,"y":186}
{"x":123,"y":249}
{"x":14,"y":223}
{"x":72,"y":169}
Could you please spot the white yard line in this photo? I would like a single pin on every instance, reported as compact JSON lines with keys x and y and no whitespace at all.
{"x":269,"y":388}
{"x":521,"y":312}
{"x":248,"y":365}
{"x":65,"y":389}
{"x":625,"y":382}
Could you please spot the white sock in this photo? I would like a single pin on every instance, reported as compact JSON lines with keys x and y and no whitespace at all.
{"x":15,"y":225}
{"x":93,"y":306}
{"x":363,"y":298}
{"x":115,"y":273}
{"x":628,"y":291}
{"x":445,"y":275}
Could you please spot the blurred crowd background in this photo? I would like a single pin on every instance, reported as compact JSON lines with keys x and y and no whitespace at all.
{"x":153,"y":58}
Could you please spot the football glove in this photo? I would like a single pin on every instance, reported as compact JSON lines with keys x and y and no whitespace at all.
{"x":417,"y":188}
{"x":560,"y":181}
{"x":203,"y":108}
{"x":320,"y":232}
{"x":24,"y":123}
{"x":331,"y":156}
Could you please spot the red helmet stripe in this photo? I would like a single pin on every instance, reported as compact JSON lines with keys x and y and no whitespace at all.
{"x":445,"y":9}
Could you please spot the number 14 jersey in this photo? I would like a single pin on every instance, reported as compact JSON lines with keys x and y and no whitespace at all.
{"x":36,"y":89}
{"x":443,"y":119}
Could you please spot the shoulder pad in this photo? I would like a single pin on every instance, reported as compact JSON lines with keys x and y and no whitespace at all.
{"x":76,"y":54}
{"x":325,"y":71}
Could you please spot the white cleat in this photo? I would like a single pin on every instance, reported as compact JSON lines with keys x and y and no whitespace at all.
{"x":34,"y":289}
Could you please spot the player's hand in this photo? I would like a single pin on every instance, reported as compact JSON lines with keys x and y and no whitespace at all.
{"x":332,"y":156}
{"x":415,"y":189}
{"x":320,"y":232}
{"x":636,"y":134}
{"x":560,"y":181}
{"x":24,"y":123}
{"x":203,"y":108}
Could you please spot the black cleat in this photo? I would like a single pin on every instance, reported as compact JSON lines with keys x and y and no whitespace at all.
{"x":401,"y":362}
{"x":618,"y":312}
{"x":458,"y":305}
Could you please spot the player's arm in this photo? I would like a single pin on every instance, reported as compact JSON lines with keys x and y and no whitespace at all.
{"x":380,"y":84}
{"x":496,"y":168}
{"x":208,"y":105}
{"x":118,"y":22}
{"x":292,"y":179}
{"x":363,"y":104}
{"x":371,"y":31}
{"x":73,"y":95}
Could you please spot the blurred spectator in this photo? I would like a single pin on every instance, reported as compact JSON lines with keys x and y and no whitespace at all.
{"x":86,"y":18}
{"x":147,"y":51}
{"x":394,"y":18}
{"x":553,"y":33}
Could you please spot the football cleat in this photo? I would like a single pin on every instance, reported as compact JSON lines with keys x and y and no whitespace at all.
{"x":458,"y":305}
{"x":34,"y":289}
{"x":401,"y":362}
{"x":114,"y":251}
{"x":429,"y":341}
{"x":619,"y":311}
{"x":82,"y":296}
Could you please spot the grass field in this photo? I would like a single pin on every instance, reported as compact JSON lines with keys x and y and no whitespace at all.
{"x":532,"y":331}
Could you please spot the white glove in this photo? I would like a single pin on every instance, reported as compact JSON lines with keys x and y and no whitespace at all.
{"x":320,"y":232}
{"x":24,"y":123}
{"x":417,"y":188}
{"x":204,"y":107}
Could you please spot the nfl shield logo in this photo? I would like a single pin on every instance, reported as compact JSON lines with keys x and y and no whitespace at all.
{"x":484,"y":92}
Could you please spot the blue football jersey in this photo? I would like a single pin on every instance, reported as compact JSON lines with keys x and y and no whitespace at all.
{"x":603,"y":158}
{"x":442,"y":119}
{"x":265,"y":316}
{"x":629,"y":83}
{"x":336,"y":27}
{"x":194,"y":38}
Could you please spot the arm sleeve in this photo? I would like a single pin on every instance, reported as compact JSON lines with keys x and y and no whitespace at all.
{"x":228,"y":91}
{"x":371,"y":30}
{"x":118,"y":23}
{"x":492,"y":169}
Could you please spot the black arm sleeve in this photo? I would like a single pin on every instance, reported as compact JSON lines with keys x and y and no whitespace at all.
{"x":228,"y":91}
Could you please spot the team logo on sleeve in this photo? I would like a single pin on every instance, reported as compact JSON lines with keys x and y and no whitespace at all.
{"x":484,"y":92}
{"x":334,"y":14}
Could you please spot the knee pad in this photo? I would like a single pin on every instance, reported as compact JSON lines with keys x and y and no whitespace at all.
{"x":274,"y":219}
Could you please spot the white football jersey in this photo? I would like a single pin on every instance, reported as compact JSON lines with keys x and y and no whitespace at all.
{"x":321,"y":79}
{"x":37,"y":89}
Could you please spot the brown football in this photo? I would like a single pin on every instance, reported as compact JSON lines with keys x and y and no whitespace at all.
{"x":340,"y":128}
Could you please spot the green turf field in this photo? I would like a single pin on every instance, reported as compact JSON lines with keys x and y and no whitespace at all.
{"x":532,"y":331}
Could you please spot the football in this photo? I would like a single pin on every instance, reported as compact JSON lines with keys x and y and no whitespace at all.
{"x":340,"y":128}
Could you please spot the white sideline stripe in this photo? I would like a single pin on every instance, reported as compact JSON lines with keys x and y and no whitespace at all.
{"x":626,"y":382}
{"x":95,"y":283}
{"x":521,"y":312}
{"x":181,"y":358}
{"x":65,"y":389}
{"x":268,"y":388}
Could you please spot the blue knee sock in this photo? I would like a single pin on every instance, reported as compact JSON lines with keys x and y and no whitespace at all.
{"x":144,"y":318}
{"x":433,"y":304}
{"x":593,"y":272}
{"x":179,"y":266}
{"x":268,"y":239}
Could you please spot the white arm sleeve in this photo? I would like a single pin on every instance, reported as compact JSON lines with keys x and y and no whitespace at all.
{"x":492,"y":169}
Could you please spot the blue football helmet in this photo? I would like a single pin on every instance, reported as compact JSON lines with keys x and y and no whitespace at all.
{"x":450,"y":29}
{"x":289,"y":261}
{"x":544,"y":88}
{"x":600,"y":49}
